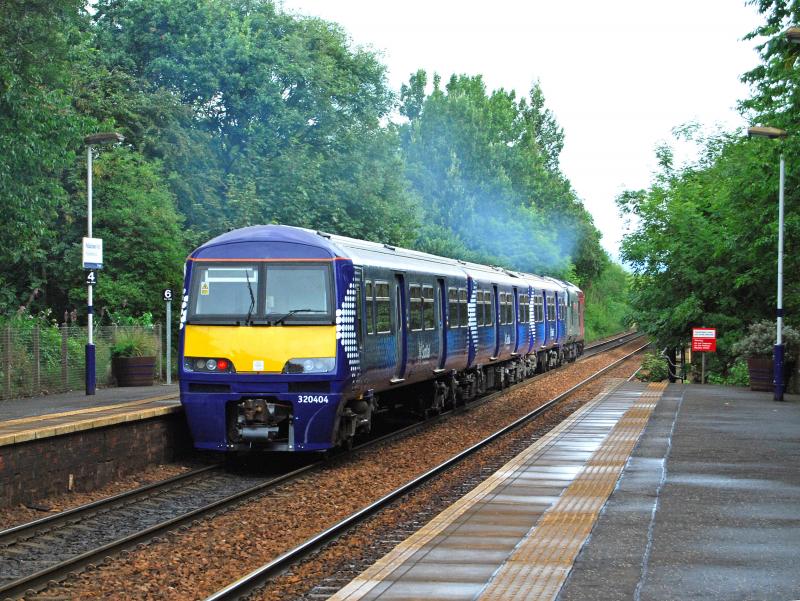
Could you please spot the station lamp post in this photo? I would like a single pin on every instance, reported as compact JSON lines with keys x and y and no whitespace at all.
{"x":775,"y":133}
{"x":90,"y":141}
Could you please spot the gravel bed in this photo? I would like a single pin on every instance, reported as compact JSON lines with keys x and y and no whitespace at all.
{"x":198,"y":561}
{"x":20,"y":514}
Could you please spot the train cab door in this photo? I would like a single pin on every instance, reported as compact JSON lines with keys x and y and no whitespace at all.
{"x":400,"y":327}
{"x":441,"y":323}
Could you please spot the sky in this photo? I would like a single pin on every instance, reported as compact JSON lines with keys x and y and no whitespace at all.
{"x":618,"y":75}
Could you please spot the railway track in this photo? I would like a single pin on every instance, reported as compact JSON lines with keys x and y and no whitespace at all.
{"x":47,"y":550}
{"x":257,"y":578}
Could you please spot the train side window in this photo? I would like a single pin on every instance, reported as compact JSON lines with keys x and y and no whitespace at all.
{"x":539,"y":309}
{"x":509,"y":308}
{"x":523,"y":308}
{"x":488,"y":299}
{"x":383,"y":308}
{"x":428,"y":317}
{"x":452,"y":307}
{"x":369,"y":308}
{"x":463,"y":317}
{"x":479,"y":308}
{"x":416,"y":306}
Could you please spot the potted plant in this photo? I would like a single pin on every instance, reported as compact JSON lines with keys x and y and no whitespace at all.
{"x":133,"y":357}
{"x":757,"y":347}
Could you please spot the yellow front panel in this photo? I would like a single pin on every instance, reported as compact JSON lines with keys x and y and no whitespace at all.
{"x":248,"y":346}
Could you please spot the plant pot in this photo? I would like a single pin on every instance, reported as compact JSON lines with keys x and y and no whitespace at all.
{"x":762,"y":376}
{"x":133,"y":371}
{"x":760,"y":370}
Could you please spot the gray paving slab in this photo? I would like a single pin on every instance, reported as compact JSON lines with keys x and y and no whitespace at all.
{"x":77,"y":399}
{"x":457,"y":562}
{"x":708,"y":506}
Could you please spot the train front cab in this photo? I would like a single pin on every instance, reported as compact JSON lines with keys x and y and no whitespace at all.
{"x":267,"y":341}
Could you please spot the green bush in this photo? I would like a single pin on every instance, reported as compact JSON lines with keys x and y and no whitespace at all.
{"x":606,"y":303}
{"x":134,"y":342}
{"x":737,"y":375}
{"x":654,"y":368}
{"x":760,"y":341}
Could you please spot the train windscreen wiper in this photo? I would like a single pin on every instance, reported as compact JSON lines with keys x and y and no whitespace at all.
{"x":252,"y":298}
{"x":279,"y":321}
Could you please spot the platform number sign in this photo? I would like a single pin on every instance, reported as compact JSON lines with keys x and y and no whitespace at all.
{"x":91,"y":278}
{"x":167,"y":294}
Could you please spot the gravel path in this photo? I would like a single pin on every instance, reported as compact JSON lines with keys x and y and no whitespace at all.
{"x":200,"y":560}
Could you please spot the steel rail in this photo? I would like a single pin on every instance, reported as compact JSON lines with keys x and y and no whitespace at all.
{"x":22,"y":531}
{"x":258,"y":577}
{"x":57,"y":571}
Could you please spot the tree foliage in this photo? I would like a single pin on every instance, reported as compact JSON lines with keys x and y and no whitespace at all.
{"x":236,"y":113}
{"x":486,"y":168}
{"x":705,"y":248}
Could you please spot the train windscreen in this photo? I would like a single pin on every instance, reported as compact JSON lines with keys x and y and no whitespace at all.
{"x":261,"y":294}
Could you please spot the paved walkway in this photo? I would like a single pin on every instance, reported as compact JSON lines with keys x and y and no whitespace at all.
{"x":35,"y":418}
{"x":707,"y":506}
{"x":77,"y":399}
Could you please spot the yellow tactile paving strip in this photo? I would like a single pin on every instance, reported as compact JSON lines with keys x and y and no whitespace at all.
{"x":541,"y":563}
{"x":55,"y":424}
{"x":363,"y":584}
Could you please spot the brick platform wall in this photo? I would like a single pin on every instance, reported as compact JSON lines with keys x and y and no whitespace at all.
{"x":37,"y":469}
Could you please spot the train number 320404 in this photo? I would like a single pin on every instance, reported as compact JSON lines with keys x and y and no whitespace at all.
{"x":303,"y":398}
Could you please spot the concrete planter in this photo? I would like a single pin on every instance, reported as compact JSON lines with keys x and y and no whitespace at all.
{"x":133,"y":371}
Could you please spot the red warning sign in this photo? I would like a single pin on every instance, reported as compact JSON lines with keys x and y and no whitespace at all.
{"x":704,"y":340}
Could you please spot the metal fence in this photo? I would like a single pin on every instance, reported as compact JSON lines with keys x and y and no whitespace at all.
{"x":45,"y":360}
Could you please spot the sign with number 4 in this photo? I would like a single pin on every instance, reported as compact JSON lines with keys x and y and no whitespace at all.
{"x":91,"y":278}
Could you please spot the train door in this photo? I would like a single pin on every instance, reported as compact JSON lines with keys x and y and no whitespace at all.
{"x":400,"y":325}
{"x":495,"y":311}
{"x":515,"y":320}
{"x":549,"y":327}
{"x":441,"y":307}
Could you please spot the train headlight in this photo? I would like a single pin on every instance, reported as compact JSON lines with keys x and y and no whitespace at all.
{"x":318,"y":365}
{"x":206,"y":365}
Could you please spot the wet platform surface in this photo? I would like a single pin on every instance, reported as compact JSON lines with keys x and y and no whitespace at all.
{"x":708,"y":507}
{"x":704,"y":486}
{"x":35,"y":418}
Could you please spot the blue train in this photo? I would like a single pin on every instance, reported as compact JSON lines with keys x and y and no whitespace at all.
{"x":294,"y":340}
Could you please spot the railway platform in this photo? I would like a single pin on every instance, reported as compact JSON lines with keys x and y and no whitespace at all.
{"x":44,"y":416}
{"x":648,"y":492}
{"x":71,"y":441}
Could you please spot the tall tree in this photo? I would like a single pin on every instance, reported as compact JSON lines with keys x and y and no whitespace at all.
{"x":39,"y":132}
{"x":486,"y":166}
{"x":287,"y":114}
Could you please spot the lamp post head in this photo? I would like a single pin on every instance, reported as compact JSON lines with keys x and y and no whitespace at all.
{"x":766,"y":132}
{"x":111,"y":137}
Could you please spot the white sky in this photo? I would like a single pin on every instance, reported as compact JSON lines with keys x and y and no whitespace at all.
{"x":618,"y":75}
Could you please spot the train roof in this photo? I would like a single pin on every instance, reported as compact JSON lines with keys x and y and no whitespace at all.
{"x":393,"y":257}
{"x":293,"y":242}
